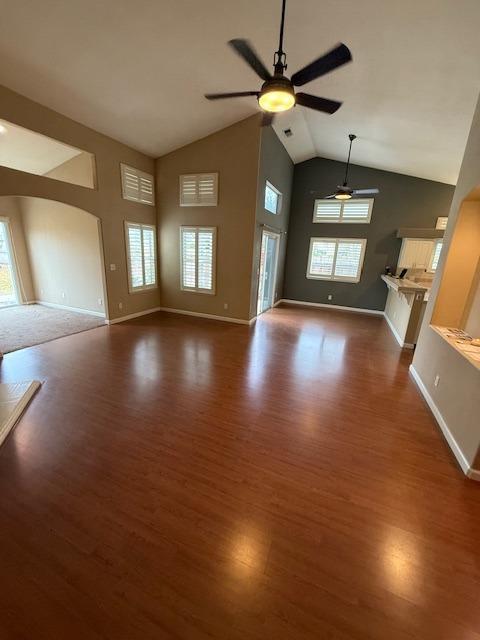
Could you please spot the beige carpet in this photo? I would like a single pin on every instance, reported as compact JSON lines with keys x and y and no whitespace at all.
{"x":30,"y":324}
{"x":14,"y":398}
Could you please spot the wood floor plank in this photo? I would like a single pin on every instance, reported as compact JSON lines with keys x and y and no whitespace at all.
{"x":180,"y":478}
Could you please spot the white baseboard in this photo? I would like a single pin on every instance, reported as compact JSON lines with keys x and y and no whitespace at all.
{"x":99,"y":314}
{"x":336,"y":307}
{"x":454,"y":446}
{"x":405,"y":345}
{"x":209,"y":316}
{"x":131,"y":316}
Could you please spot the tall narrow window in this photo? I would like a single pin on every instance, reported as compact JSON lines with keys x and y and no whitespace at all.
{"x":197,"y":259}
{"x":436,"y":255}
{"x":336,"y":259}
{"x":273,"y":198}
{"x":141,"y":256}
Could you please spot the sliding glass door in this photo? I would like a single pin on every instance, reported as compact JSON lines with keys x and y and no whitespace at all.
{"x":8,"y":281}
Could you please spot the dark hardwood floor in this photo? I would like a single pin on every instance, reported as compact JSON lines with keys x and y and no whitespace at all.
{"x":182,"y":479}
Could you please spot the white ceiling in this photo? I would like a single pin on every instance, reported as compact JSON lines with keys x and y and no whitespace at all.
{"x":137,"y":71}
{"x":28,"y":151}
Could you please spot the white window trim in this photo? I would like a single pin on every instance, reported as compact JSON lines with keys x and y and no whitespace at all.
{"x":196,"y":229}
{"x":214,"y":203}
{"x":279,"y":199}
{"x":139,"y":174}
{"x":362,"y":241}
{"x":430,"y":263}
{"x":341,"y":219}
{"x":147,"y":287}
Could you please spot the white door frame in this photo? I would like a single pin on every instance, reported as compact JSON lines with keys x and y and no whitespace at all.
{"x":277,"y":236}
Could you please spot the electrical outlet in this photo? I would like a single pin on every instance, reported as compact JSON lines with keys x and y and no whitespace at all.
{"x":120,"y":305}
{"x":330,"y":297}
{"x":100,"y":302}
{"x":225,"y":305}
{"x":63,"y":294}
{"x":113,"y":267}
{"x":437,"y":380}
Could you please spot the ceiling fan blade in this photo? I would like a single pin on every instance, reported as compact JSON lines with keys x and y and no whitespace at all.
{"x":329,"y":197}
{"x":246,"y":51}
{"x":236,"y":94}
{"x":328,"y":62}
{"x":267,"y":119}
{"x":319,"y":104}
{"x":364,"y":192}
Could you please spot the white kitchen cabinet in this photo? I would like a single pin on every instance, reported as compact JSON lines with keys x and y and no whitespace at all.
{"x":416,"y":253}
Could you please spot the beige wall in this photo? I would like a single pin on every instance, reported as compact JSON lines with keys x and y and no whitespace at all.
{"x":78,"y":170}
{"x":472,"y":322}
{"x":65,"y":254}
{"x":233,"y":153}
{"x":457,"y":396}
{"x":10,"y":208}
{"x":105,"y":201}
{"x":460,"y":268}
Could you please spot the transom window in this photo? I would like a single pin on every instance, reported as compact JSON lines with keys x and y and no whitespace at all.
{"x":197,"y":259}
{"x":199,"y":190}
{"x":336,"y":259}
{"x":141,"y":256}
{"x":273,"y":199}
{"x":137,"y":185}
{"x":352,"y":211}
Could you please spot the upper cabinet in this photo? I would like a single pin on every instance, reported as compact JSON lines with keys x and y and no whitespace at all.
{"x":417,"y":253}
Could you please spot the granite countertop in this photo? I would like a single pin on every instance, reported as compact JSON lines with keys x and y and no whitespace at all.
{"x":404,"y":286}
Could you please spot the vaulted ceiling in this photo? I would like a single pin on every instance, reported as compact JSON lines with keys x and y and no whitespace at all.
{"x":137,"y":71}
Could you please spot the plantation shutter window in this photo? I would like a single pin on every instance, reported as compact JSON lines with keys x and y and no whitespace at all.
{"x":137,"y":185}
{"x":141,"y":256}
{"x":197,"y":248}
{"x":354,"y":211}
{"x":199,"y":190}
{"x":347,"y":264}
{"x":336,"y":259}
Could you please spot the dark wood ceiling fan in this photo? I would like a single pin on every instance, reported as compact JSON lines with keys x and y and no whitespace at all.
{"x":277,"y":92}
{"x":344,"y":192}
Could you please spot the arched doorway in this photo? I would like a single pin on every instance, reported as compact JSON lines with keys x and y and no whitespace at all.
{"x":56,"y":255}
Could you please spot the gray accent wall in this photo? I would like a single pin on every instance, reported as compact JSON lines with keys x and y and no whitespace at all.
{"x":275,"y":166}
{"x":403,"y":201}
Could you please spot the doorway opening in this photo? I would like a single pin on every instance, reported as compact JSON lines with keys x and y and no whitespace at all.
{"x":268,"y":270}
{"x":8,"y":275}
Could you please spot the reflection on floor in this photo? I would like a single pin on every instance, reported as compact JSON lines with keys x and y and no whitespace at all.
{"x":26,"y":325}
{"x":190,"y":479}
